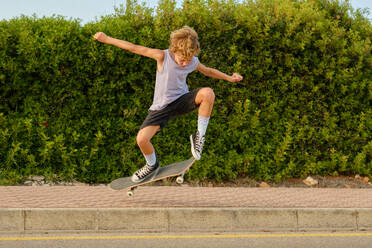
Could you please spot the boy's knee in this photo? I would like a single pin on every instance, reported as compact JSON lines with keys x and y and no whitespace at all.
{"x":141,"y":140}
{"x":209,"y":94}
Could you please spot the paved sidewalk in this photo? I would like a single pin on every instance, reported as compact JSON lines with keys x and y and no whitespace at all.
{"x":182,"y":196}
{"x":183,"y":209}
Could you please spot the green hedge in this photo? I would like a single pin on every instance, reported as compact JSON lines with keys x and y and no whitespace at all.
{"x":71,"y":107}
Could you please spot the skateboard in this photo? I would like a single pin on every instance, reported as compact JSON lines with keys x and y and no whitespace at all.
{"x":176,"y":169}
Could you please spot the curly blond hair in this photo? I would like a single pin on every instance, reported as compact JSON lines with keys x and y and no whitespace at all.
{"x":184,"y":41}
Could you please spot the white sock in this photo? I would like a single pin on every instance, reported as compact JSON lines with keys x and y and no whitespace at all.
{"x":150,"y":158}
{"x":202,"y":124}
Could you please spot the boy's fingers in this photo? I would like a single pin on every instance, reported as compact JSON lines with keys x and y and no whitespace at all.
{"x":98,"y":35}
{"x":239,"y":77}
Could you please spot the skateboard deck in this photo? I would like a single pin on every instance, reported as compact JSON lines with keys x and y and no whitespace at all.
{"x":172,"y":170}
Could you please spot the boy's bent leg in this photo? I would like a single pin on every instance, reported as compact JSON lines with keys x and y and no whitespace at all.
{"x":205,"y":98}
{"x":151,"y":167}
{"x":143,"y":139}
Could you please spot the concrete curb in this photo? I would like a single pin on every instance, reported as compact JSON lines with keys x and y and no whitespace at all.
{"x":184,"y":219}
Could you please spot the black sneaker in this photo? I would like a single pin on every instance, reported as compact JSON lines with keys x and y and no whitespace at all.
{"x":145,"y":172}
{"x":197,"y":143}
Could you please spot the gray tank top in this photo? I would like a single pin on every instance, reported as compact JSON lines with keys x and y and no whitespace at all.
{"x":171,"y":81}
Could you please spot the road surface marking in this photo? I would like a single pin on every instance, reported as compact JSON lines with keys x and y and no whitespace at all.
{"x":188,"y":236}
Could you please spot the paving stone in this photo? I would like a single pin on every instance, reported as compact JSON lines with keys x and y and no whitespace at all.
{"x":173,"y":196}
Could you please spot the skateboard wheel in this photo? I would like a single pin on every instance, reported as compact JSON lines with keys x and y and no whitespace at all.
{"x":179,"y":180}
{"x":130,"y":193}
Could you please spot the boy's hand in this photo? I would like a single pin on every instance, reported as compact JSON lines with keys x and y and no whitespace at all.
{"x":235,"y":78}
{"x":101,"y":37}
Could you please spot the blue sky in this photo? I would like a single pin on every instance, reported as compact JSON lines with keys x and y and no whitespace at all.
{"x":88,"y":10}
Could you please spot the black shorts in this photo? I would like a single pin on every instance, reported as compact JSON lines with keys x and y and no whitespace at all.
{"x":183,"y":105}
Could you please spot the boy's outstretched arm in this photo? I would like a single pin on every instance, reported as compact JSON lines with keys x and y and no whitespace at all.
{"x":214,"y":73}
{"x":156,"y":54}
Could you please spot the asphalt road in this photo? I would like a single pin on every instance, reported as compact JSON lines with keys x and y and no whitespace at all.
{"x":262,"y":240}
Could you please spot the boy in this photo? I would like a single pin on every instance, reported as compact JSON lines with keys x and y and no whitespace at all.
{"x":172,"y":96}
